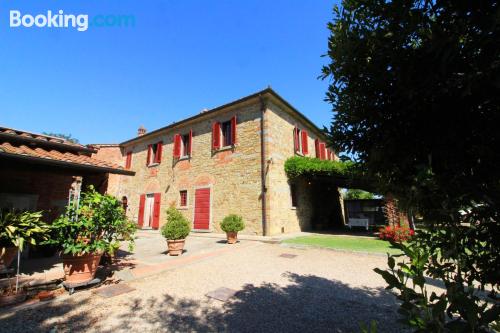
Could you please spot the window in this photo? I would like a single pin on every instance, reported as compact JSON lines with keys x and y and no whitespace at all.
{"x":321,"y":152}
{"x":293,"y":194}
{"x":226,"y":134}
{"x":300,"y":141}
{"x":183,"y":198}
{"x":183,"y":145}
{"x":154,"y":153}
{"x":128,"y":161}
{"x":124,"y":204}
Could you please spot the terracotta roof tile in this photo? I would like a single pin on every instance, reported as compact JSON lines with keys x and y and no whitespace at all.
{"x":44,"y":154}
{"x":40,"y":137}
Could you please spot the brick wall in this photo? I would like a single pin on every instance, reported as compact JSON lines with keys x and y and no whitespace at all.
{"x":48,"y":187}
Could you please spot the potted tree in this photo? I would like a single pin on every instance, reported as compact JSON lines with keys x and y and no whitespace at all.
{"x":17,"y":229}
{"x":90,"y":228}
{"x":175,"y":231}
{"x":231,"y":225}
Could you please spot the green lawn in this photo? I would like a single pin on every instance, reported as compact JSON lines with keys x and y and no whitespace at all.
{"x":345,"y":243}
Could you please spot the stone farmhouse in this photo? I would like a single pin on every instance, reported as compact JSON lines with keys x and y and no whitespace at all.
{"x":229,"y":159}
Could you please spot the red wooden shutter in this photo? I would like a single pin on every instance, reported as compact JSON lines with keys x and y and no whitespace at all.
{"x":150,"y":148}
{"x":128,"y":161}
{"x":216,"y":136}
{"x":305,"y":148}
{"x":190,"y":144}
{"x":296,"y":143}
{"x":233,"y":130}
{"x":316,"y":145}
{"x":322,"y":151}
{"x":156,"y":211}
{"x":142,"y":202}
{"x":159,"y":147}
{"x":177,"y":146}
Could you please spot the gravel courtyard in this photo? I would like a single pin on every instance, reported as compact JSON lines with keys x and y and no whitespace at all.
{"x":318,"y":290}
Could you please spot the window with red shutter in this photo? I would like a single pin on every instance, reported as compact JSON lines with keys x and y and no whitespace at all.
{"x":316,"y":146}
{"x":128,"y":161}
{"x":216,"y":136}
{"x":177,"y":146}
{"x":233,"y":131}
{"x":183,"y":198}
{"x":190,"y":149}
{"x":322,"y":151}
{"x":148,"y":158}
{"x":304,"y":144}
{"x":296,"y":139}
{"x":159,"y":148}
{"x":227,"y":133}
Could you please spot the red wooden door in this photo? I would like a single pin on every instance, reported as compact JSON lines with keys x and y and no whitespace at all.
{"x":202,"y":209}
{"x":156,"y":211}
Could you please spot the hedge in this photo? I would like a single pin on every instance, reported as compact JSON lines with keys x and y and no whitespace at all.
{"x":299,"y":166}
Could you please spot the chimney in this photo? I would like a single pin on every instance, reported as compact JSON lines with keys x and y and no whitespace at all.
{"x":141,"y":131}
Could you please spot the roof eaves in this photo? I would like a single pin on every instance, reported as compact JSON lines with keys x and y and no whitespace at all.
{"x":260,"y":93}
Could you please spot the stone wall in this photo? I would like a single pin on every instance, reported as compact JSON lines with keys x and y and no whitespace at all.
{"x":232,"y":174}
{"x":280,"y":142}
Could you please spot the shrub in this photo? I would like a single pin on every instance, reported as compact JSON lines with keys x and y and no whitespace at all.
{"x":232,"y":223}
{"x":96,"y":224}
{"x":396,"y":234}
{"x":177,"y":226}
{"x":18,"y":228}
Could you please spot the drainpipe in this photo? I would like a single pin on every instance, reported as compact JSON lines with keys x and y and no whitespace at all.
{"x":263,"y":165}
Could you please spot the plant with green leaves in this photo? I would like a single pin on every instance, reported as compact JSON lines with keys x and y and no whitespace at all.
{"x":414,"y":88}
{"x":177,"y":226}
{"x":19,"y":228}
{"x":232,"y":223}
{"x":96,"y":225}
{"x":462,"y":307}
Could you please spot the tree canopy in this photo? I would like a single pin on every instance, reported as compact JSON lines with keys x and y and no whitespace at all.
{"x":67,"y":137}
{"x":416,"y":94}
{"x":415,"y":90}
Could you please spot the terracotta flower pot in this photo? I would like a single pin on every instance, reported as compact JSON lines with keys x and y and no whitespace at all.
{"x":175,"y":247}
{"x":80,"y":268}
{"x":46,"y":295}
{"x":7,"y":255}
{"x":232,"y":237}
{"x":11,"y":299}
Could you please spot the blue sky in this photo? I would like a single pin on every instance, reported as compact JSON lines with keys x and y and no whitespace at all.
{"x":180,"y":57}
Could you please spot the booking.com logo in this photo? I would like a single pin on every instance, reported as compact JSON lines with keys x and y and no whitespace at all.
{"x":59,"y":19}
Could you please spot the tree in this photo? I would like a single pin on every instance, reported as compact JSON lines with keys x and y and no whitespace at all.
{"x":415,"y":90}
{"x":357,"y":194}
{"x":66,"y":137}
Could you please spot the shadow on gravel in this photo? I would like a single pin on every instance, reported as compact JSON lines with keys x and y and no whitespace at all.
{"x":309,"y":303}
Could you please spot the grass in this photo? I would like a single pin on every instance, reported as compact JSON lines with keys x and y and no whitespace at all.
{"x":345,"y":243}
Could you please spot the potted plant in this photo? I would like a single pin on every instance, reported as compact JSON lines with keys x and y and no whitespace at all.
{"x":90,"y":228}
{"x":175,"y":231}
{"x":17,"y":229}
{"x":231,"y":225}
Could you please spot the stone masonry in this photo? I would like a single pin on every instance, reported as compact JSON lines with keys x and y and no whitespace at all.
{"x":233,"y":174}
